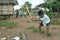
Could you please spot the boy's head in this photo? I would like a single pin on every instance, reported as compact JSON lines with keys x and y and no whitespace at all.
{"x":40,"y":13}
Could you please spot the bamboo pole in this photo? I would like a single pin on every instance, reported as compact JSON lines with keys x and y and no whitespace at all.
{"x":28,"y":11}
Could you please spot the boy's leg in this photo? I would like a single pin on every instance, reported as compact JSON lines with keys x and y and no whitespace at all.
{"x":39,"y":28}
{"x":47,"y":30}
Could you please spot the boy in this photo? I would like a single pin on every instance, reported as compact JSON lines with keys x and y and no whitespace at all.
{"x":45,"y":21}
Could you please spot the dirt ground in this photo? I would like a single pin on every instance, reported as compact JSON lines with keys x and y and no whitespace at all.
{"x":22,"y":27}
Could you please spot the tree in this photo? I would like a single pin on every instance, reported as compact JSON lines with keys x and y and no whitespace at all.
{"x":28,"y":5}
{"x":23,"y":8}
{"x":54,"y":4}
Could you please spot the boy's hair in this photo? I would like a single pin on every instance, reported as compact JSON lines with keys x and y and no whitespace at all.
{"x":40,"y":12}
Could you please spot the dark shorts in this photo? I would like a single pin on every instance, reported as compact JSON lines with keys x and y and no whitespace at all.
{"x":48,"y":24}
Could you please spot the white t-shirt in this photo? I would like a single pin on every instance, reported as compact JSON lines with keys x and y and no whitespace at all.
{"x":44,"y":20}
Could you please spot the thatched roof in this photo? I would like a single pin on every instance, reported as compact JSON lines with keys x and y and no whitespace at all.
{"x":14,"y":2}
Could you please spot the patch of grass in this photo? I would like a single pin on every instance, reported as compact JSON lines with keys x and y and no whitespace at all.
{"x":44,"y":33}
{"x":30,"y":28}
{"x":28,"y":21}
{"x":1,"y":17}
{"x":55,"y":22}
{"x":35,"y":30}
{"x":34,"y":14}
{"x":8,"y":24}
{"x":49,"y":34}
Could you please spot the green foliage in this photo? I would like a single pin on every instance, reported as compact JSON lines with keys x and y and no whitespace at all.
{"x":23,"y":8}
{"x":50,"y":3}
{"x":1,"y":17}
{"x":58,"y":4}
{"x":8,"y":24}
{"x":55,"y":22}
{"x":58,"y":0}
{"x":34,"y":14}
{"x":53,"y":17}
{"x":36,"y":8}
{"x":28,"y":4}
